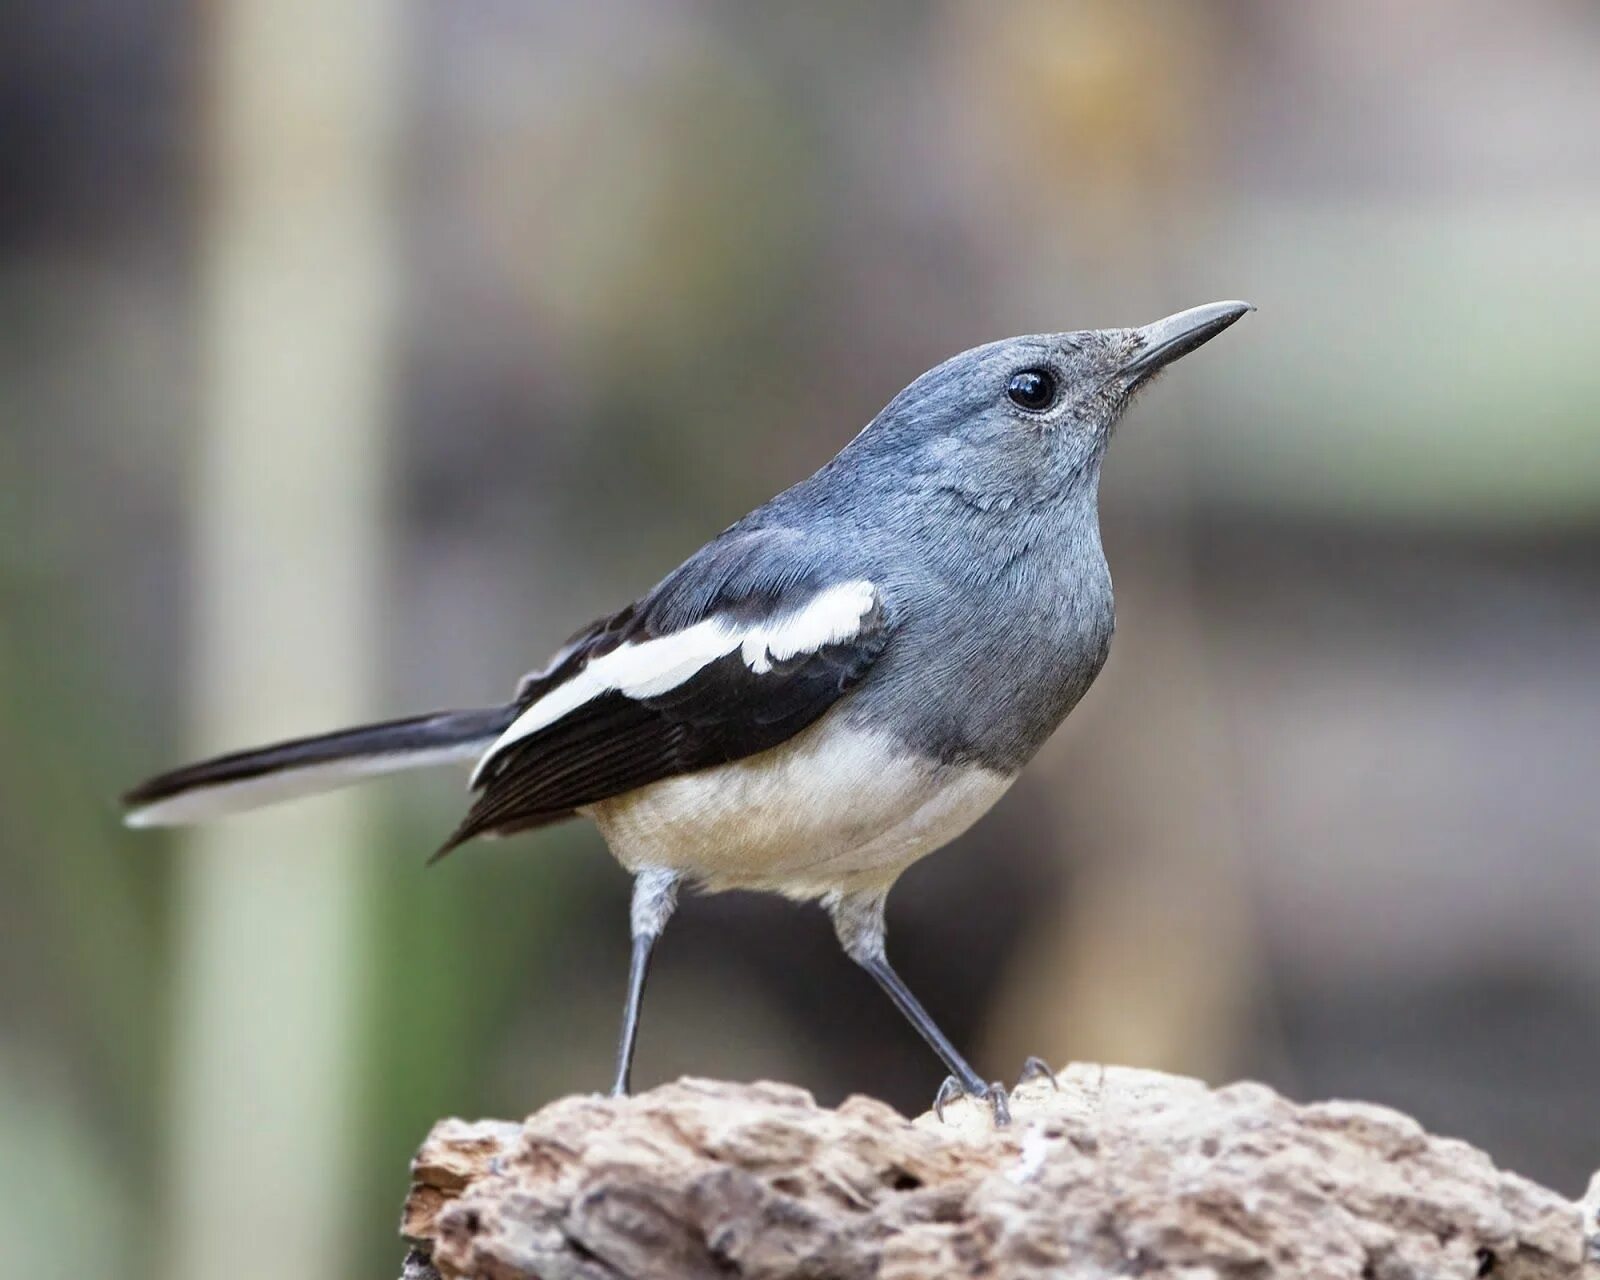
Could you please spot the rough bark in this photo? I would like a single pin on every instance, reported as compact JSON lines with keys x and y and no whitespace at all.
{"x":1116,"y":1173}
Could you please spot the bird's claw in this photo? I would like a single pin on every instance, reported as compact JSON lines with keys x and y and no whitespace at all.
{"x":995,"y":1094}
{"x":1037,"y":1069}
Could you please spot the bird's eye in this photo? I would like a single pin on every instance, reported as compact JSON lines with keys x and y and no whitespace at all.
{"x":1032,"y":389}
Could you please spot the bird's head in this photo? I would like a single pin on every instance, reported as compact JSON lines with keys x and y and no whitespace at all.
{"x":1013,"y":423}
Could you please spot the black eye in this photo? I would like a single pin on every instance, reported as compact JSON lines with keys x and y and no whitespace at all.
{"x":1032,"y":389}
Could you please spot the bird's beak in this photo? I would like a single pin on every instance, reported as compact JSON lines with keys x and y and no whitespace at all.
{"x":1159,"y":344}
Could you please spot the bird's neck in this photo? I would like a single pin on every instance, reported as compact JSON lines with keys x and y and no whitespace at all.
{"x":984,"y":533}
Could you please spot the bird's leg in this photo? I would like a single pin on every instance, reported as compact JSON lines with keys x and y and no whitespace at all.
{"x":858,"y":920}
{"x":655,"y":894}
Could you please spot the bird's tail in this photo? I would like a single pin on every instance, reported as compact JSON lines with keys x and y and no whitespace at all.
{"x":248,"y":779}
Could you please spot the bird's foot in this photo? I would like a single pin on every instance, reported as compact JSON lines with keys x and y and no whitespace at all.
{"x":994,"y":1094}
{"x":1036,"y":1069}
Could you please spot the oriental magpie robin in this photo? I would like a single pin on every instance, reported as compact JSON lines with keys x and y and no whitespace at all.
{"x":836,"y":685}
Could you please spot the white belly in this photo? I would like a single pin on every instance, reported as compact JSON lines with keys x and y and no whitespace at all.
{"x":832,"y":808}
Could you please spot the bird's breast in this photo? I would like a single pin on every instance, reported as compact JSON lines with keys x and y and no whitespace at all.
{"x":985,"y":671}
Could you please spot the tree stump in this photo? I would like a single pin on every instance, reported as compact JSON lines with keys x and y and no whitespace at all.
{"x":1117,"y":1172}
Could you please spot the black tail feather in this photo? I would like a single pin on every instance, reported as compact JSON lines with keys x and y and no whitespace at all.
{"x":284,"y":769}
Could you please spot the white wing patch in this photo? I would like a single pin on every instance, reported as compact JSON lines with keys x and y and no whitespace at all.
{"x":650,"y":668}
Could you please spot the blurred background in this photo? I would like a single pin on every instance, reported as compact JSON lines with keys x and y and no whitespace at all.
{"x":353,"y":355}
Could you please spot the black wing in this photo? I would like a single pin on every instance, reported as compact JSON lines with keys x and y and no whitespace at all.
{"x":728,"y":708}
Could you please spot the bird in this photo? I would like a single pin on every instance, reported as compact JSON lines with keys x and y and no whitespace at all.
{"x":830,"y":689}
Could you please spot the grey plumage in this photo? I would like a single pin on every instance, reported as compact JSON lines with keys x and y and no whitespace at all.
{"x":981,"y":520}
{"x":832,"y":687}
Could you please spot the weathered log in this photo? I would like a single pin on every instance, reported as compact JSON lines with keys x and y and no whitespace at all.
{"x":1117,"y":1172}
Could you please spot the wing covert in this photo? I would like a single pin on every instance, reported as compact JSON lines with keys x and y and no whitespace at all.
{"x":735,"y":653}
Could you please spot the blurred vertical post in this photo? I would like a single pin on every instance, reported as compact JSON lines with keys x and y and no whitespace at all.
{"x":296,"y":305}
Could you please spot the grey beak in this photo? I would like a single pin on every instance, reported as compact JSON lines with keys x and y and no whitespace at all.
{"x":1167,"y":340}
